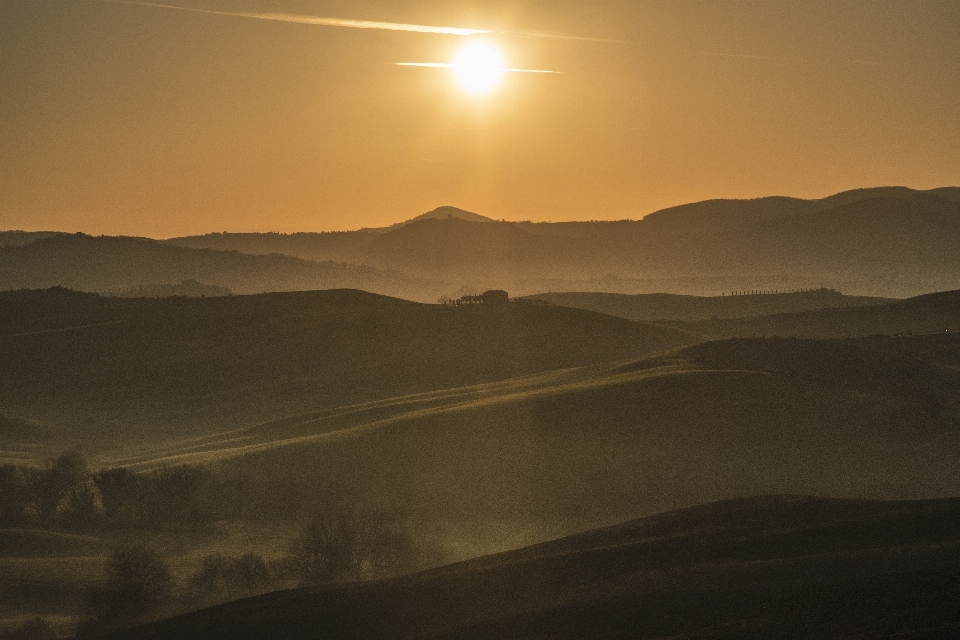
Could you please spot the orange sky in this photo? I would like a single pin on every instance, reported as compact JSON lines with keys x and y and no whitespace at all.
{"x":124,"y":119}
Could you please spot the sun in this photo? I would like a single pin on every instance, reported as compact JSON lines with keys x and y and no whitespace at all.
{"x":478,"y":67}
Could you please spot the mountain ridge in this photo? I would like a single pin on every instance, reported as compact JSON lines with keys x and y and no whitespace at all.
{"x":886,"y":242}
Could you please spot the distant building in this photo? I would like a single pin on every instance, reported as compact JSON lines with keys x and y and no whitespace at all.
{"x":495,"y":296}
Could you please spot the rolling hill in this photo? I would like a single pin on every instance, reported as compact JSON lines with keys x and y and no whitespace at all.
{"x":780,"y":566}
{"x":656,"y":307}
{"x":118,"y":264}
{"x":889,"y":242}
{"x":105,"y":369}
{"x":329,"y":245}
{"x":20,"y":238}
{"x":926,"y":314}
{"x":609,"y":442}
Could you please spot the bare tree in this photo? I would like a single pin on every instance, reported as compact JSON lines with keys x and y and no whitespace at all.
{"x":52,"y":487}
{"x":340,"y":547}
{"x":223,"y":578}
{"x":121,"y":492}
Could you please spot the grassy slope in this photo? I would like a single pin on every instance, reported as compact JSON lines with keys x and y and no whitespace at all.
{"x":610,"y":442}
{"x":663,"y":306}
{"x":102,"y":367}
{"x":785,"y":566}
{"x":927,"y":314}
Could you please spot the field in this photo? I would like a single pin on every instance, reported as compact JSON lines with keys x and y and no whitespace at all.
{"x":523,"y":437}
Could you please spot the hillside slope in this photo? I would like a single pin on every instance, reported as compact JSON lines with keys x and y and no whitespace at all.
{"x":656,"y":307}
{"x":927,"y":314}
{"x":147,"y":368}
{"x":783,"y":566}
{"x":609,"y":442}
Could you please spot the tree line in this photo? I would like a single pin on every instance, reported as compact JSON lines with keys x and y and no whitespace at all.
{"x":140,"y":586}
{"x":67,"y":495}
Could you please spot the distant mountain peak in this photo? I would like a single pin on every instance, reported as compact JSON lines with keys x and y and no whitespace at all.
{"x":444,"y":212}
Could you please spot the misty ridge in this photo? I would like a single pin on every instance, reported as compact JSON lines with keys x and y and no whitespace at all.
{"x":729,"y":419}
{"x":888,"y":242}
{"x":883,"y":242}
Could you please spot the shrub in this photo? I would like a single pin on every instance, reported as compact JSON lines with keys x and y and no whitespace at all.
{"x":139,"y":589}
{"x":54,"y":488}
{"x":121,"y":492}
{"x":350,"y":547}
{"x":222,"y":578}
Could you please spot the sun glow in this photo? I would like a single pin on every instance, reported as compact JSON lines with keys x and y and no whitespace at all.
{"x":478,"y":67}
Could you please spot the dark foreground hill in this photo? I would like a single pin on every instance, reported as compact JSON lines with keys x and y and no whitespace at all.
{"x":769,"y":567}
{"x":891,"y":242}
{"x":115,"y":368}
{"x":655,"y":307}
{"x":863,"y":418}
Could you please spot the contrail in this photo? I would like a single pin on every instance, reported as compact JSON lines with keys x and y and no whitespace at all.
{"x":364,"y":24}
{"x":361,"y":24}
{"x":323,"y":22}
{"x":450,"y":65}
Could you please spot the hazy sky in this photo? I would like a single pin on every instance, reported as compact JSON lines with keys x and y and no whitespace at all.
{"x":125,"y":119}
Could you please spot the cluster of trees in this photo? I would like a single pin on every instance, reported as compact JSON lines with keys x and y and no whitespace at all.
{"x":141,"y":588}
{"x":754,"y":292}
{"x":68,"y":495}
{"x":118,"y":503}
{"x":351,"y":547}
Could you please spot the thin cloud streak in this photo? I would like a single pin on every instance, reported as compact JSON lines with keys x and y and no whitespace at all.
{"x":529,"y":33}
{"x":450,"y":65}
{"x":748,"y":56}
{"x":320,"y":21}
{"x":361,"y":24}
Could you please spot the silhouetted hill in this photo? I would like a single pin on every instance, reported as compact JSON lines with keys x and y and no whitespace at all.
{"x":654,"y":307}
{"x":462,"y":249}
{"x":20,"y":238}
{"x":770,"y":567}
{"x":156,"y":367}
{"x":190,"y":288}
{"x":328,"y":245}
{"x":445,"y":212}
{"x":889,"y":241}
{"x":106,"y":264}
{"x":927,"y":314}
